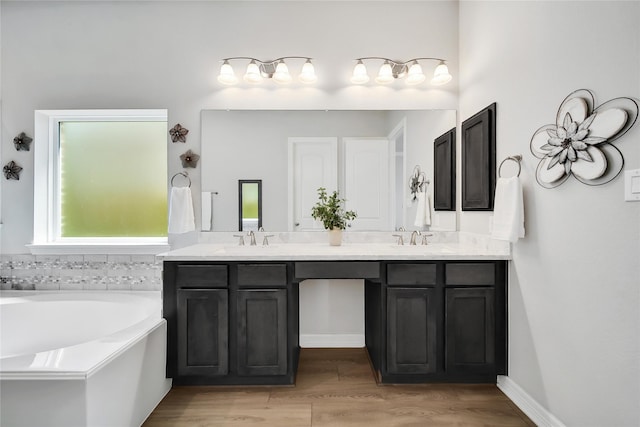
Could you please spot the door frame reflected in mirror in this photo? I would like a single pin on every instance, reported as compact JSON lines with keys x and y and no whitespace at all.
{"x":244,"y":191}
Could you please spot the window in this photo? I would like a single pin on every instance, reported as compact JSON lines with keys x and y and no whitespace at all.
{"x":100,"y":181}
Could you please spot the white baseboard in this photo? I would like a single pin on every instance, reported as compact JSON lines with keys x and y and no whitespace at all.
{"x":331,"y":340}
{"x":527,"y":404}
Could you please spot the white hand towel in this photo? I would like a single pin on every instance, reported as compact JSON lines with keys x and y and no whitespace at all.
{"x":181,"y":211}
{"x":508,"y":211}
{"x":423,"y":212}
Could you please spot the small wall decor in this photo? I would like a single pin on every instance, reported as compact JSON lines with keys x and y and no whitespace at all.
{"x":12,"y":171}
{"x":189,"y":159}
{"x":417,"y":182}
{"x":579,"y":143}
{"x":22,"y":142}
{"x":178,"y":133}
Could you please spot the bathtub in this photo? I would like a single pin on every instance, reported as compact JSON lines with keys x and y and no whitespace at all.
{"x":81,"y":358}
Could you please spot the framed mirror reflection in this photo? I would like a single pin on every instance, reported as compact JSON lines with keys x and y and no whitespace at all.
{"x":257,"y":143}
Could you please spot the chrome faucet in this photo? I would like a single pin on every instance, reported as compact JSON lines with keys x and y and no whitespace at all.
{"x":252,"y":237}
{"x":414,"y":234}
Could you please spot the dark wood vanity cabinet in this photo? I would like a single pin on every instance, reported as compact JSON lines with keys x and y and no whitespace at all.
{"x":262,"y":319}
{"x":229,"y":323}
{"x":203,"y":332}
{"x":445,"y":322}
{"x":425,"y":321}
{"x":411,"y":330}
{"x":470,"y":331}
{"x":475,"y":319}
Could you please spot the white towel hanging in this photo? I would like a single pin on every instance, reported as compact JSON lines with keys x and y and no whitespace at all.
{"x":181,"y":219}
{"x":423,"y":211}
{"x":508,"y":211}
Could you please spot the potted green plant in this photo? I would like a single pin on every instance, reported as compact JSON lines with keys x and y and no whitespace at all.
{"x":334,"y":217}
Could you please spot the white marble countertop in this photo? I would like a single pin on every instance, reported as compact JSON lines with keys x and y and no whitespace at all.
{"x":452,"y":246}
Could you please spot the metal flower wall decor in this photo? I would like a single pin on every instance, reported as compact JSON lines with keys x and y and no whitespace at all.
{"x":12,"y":171}
{"x":178,"y":133}
{"x":189,"y":159}
{"x":22,"y":142}
{"x":579,"y":143}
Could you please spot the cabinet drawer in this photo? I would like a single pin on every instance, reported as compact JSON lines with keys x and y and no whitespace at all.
{"x":202,"y":276}
{"x":411,"y":274}
{"x":337,"y":270}
{"x":262,"y":275}
{"x":470,"y":274}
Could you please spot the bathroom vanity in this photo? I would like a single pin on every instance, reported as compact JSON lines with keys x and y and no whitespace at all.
{"x":432,"y":314}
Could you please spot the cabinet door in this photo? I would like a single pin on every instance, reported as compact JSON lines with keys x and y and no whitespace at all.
{"x":411,"y":330}
{"x":470,"y":331}
{"x":262,"y":332}
{"x":203,"y":332}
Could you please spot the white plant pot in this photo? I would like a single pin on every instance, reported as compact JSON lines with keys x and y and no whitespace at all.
{"x":335,"y":237}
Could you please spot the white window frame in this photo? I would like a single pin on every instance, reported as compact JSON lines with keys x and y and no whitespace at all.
{"x":46,"y":206}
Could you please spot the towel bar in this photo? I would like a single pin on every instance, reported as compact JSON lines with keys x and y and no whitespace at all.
{"x":516,"y":158}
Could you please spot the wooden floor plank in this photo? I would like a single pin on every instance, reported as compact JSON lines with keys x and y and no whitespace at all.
{"x":336,"y":387}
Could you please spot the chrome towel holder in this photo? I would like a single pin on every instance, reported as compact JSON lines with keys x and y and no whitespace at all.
{"x":185,"y":174}
{"x":515,"y":158}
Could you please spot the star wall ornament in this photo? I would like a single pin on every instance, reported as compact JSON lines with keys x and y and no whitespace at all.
{"x":580,"y":141}
{"x":12,"y":171}
{"x":22,"y":142}
{"x":178,"y":133}
{"x":189,"y":159}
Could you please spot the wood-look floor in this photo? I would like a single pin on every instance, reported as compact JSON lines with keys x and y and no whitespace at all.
{"x":336,"y":387}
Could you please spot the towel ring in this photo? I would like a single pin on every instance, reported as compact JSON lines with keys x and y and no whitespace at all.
{"x":183,"y":174}
{"x":517,"y":158}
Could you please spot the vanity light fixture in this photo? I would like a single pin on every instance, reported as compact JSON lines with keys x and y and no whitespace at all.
{"x":392,"y":70}
{"x":258,"y":70}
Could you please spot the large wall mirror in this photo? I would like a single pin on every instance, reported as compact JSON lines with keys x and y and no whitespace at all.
{"x":265,"y":145}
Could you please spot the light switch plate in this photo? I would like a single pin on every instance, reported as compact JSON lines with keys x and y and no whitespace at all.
{"x":632,"y":185}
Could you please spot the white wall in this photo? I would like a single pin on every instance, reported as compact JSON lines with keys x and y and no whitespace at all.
{"x":574,"y":291}
{"x":166,"y":54}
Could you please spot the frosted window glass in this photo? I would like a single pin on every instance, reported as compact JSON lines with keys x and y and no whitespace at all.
{"x":113,"y":179}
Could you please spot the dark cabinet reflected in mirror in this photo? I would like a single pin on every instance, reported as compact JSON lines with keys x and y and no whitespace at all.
{"x":250,"y":204}
{"x":444,"y":171}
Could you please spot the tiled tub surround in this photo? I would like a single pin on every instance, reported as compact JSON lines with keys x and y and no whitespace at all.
{"x":80,"y":272}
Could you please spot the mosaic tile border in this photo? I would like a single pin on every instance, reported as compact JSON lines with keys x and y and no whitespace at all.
{"x":80,"y":272}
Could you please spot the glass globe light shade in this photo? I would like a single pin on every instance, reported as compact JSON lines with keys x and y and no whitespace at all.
{"x":360,"y":75}
{"x":441,"y":74}
{"x":282,"y":75}
{"x":385,"y":75}
{"x":227,"y":76}
{"x":253,"y":75}
{"x":415,"y":76}
{"x":308,"y":73}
